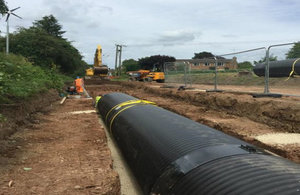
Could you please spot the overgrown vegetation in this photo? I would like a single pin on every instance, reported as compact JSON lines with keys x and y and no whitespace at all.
{"x":19,"y":79}
{"x":3,"y":7}
{"x":40,"y":59}
{"x":245,"y":65}
{"x":156,"y":61}
{"x":43,"y":45}
{"x":130,"y":65}
{"x":149,"y":63}
{"x":229,"y":78}
{"x":264,"y":59}
{"x":294,"y":52}
{"x":202,"y":55}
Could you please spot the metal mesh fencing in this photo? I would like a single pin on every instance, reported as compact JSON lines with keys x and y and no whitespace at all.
{"x":287,"y":65}
{"x":234,"y":72}
{"x":178,"y":74}
{"x":240,"y":78}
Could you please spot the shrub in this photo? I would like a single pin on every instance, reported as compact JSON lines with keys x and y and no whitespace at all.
{"x":20,"y":79}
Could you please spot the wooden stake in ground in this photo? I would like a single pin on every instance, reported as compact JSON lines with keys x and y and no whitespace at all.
{"x":63,"y":100}
{"x":10,"y":183}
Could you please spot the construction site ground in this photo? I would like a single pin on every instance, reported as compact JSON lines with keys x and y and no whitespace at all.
{"x":62,"y":149}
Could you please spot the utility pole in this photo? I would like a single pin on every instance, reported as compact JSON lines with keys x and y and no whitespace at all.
{"x":118,"y":57}
{"x":116,"y":61}
{"x":120,"y":61}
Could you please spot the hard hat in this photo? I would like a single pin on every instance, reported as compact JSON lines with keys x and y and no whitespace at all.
{"x":77,"y":77}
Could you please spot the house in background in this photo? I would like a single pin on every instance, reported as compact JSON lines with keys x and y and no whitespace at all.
{"x":208,"y":63}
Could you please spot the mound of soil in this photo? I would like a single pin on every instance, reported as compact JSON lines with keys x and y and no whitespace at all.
{"x":23,"y":112}
{"x":282,"y":114}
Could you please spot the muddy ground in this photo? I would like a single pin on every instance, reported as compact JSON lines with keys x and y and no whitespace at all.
{"x":54,"y":149}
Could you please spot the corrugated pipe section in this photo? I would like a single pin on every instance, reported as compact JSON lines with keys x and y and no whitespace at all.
{"x":170,"y":154}
{"x":281,"y":68}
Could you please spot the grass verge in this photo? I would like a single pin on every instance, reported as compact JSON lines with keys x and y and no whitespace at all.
{"x":19,"y":79}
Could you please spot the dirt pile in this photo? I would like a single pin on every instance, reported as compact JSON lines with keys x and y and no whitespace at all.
{"x":23,"y":112}
{"x":282,"y":114}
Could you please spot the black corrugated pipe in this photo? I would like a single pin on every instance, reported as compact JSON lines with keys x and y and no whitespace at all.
{"x":281,"y":68}
{"x":170,"y":154}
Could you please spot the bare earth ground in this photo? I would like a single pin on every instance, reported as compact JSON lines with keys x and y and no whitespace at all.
{"x":285,"y":90}
{"x":239,"y":115}
{"x":62,"y":153}
{"x":58,"y":151}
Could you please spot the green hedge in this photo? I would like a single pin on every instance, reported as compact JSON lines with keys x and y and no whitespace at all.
{"x":20,"y":79}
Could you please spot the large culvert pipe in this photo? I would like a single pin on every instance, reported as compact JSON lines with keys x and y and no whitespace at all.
{"x":170,"y":154}
{"x":281,"y":68}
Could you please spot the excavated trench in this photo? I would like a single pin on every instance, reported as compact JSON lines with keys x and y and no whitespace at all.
{"x":239,"y":115}
{"x":170,"y":154}
{"x":252,"y":120}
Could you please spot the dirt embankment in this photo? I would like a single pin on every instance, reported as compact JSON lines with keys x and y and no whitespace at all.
{"x":239,"y":115}
{"x":282,"y":114}
{"x":22,"y":113}
{"x":62,"y":151}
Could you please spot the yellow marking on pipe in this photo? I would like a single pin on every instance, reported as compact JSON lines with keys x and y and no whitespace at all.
{"x":293,"y":69}
{"x":129,"y":102}
{"x":112,"y":120}
{"x":124,"y":106}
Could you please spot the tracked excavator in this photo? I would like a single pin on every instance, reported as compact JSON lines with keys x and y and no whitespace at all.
{"x":99,"y":71}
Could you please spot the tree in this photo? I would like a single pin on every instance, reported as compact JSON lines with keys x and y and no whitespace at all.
{"x":131,"y":65}
{"x":245,"y":65}
{"x":50,"y":25}
{"x":264,"y":59}
{"x":156,"y":61}
{"x":294,"y":52}
{"x":45,"y":50}
{"x":202,"y":55}
{"x":3,"y":7}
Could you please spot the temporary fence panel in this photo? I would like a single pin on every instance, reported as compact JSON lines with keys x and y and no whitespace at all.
{"x":178,"y":74}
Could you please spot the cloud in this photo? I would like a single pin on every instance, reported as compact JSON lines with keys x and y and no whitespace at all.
{"x":230,"y":36}
{"x":175,"y":37}
{"x":151,"y":27}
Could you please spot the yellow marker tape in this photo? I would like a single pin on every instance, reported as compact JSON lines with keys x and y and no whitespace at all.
{"x":112,"y":120}
{"x":122,"y":105}
{"x":130,"y":102}
{"x":293,"y":69}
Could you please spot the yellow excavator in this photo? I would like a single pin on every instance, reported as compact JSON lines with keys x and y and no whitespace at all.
{"x":99,"y":70}
{"x":146,"y":76}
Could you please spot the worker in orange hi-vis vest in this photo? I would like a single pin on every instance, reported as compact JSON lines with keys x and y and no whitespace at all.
{"x":79,"y":84}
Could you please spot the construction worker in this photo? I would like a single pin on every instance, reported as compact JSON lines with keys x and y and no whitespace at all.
{"x":79,"y":84}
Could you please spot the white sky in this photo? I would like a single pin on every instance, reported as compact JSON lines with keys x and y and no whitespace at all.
{"x":167,"y":27}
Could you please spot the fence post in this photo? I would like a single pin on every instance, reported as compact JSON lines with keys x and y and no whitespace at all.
{"x":267,"y":67}
{"x":266,"y":90}
{"x":190,"y":76}
{"x":185,"y":72}
{"x":216,"y":61}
